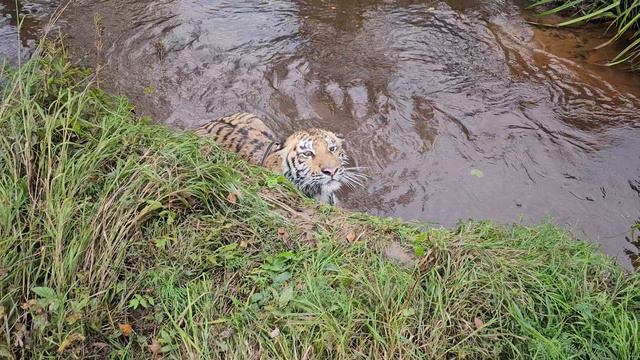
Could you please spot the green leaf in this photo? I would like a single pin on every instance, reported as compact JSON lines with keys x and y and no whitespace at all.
{"x":477,"y":173}
{"x":421,"y":237}
{"x":419,"y":250}
{"x":287,"y":255}
{"x":152,"y":205}
{"x":286,"y":296}
{"x":45,"y":292}
{"x":161,"y":243}
{"x":228,"y":247}
{"x":213,"y":260}
{"x":621,"y":56}
{"x":257,"y":297}
{"x":408,"y":312}
{"x":134,"y":303}
{"x":40,"y":322}
{"x":168,"y":348}
{"x":272,"y":182}
{"x":538,"y":3}
{"x":564,"y":6}
{"x":591,"y":15}
{"x":170,"y":215}
{"x":332,"y":267}
{"x":282,"y":277}
{"x":121,"y":286}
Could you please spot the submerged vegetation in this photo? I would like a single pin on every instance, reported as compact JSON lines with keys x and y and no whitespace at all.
{"x":622,"y":17}
{"x":123,"y":239}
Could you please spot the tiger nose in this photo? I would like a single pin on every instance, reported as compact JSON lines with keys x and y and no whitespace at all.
{"x":329,"y":171}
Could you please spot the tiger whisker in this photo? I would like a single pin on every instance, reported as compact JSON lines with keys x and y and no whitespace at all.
{"x":350,"y":185}
{"x":357,"y":173}
{"x":352,"y":180}
{"x":358,"y":176}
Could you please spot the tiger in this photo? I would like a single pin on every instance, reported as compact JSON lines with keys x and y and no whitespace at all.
{"x":314,"y":159}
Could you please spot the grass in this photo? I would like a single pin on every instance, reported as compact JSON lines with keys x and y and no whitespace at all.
{"x":634,"y":239}
{"x":622,"y":16}
{"x":122,"y":239}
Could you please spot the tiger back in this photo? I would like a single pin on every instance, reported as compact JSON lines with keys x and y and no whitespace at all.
{"x":245,"y":134}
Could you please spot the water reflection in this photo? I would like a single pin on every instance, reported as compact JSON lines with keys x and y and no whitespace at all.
{"x":425,"y":92}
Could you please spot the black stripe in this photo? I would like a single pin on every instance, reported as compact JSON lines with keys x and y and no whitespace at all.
{"x":258,"y":146}
{"x":223,"y":126}
{"x":226,"y":136}
{"x":267,"y":135}
{"x":227,"y":120}
{"x":243,"y":131}
{"x":240,"y":144}
{"x":207,"y":127}
{"x":289,"y":167}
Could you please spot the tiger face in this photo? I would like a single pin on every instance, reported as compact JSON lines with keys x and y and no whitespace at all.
{"x":315,"y":161}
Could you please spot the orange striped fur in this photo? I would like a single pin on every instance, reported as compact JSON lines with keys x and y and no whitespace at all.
{"x":242,"y":133}
{"x":312,"y":159}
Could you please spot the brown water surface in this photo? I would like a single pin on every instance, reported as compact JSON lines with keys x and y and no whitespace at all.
{"x":33,"y":15}
{"x":426,"y":92}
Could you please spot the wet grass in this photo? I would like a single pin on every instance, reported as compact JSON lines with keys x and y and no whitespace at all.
{"x":121,"y":239}
{"x":622,"y":17}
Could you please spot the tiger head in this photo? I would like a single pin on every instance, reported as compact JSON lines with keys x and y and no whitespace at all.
{"x":315,"y":161}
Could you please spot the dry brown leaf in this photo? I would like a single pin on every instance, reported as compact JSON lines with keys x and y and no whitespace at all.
{"x":100,"y":345}
{"x":155,"y":347}
{"x":310,"y":238}
{"x":73,"y":318}
{"x":28,"y":304}
{"x":70,"y":340}
{"x":3,"y":272}
{"x":351,"y":236}
{"x":226,"y":333}
{"x":125,"y":329}
{"x":232,"y":197}
{"x":478,"y":322}
{"x":399,"y":255}
{"x":282,"y":232}
{"x":20,"y":335}
{"x":244,"y":244}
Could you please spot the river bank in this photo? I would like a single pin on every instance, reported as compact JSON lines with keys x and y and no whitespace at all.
{"x":124,"y":239}
{"x":621,"y":17}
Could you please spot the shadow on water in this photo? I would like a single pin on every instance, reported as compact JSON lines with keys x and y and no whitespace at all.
{"x":460,"y":109}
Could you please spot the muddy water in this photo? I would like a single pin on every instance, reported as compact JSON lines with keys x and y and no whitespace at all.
{"x":34,"y":15}
{"x":460,"y":109}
